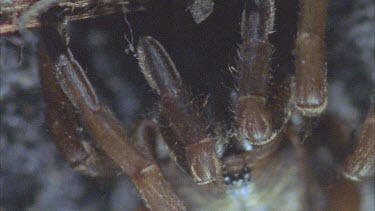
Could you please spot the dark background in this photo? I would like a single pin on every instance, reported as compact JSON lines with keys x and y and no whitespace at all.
{"x":32,"y":173}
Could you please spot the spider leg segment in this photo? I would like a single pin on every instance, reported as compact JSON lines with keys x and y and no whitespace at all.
{"x":335,"y":188}
{"x":360,"y":163}
{"x":63,"y":124}
{"x":136,"y":161}
{"x":184,"y":130}
{"x":258,"y":121}
{"x":355,"y":158}
{"x":310,"y":66}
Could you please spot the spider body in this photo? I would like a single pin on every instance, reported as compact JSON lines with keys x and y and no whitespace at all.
{"x":261,"y":156}
{"x":266,"y":191}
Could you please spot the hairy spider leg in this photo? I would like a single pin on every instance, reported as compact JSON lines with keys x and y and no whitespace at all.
{"x":136,"y":161}
{"x":310,"y":65}
{"x":260,"y":116}
{"x":182,"y":127}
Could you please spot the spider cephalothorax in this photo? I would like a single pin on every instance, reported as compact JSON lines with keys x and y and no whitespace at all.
{"x":261,"y":155}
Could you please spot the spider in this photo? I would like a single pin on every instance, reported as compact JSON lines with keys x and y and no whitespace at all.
{"x":261,"y":153}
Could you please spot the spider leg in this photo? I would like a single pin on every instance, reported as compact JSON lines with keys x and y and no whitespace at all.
{"x":259,"y":119}
{"x":184,"y":130}
{"x":343,"y":194}
{"x":355,"y":157}
{"x":64,"y":127}
{"x":360,"y":163}
{"x":310,"y":66}
{"x":340,"y":194}
{"x":107,"y":130}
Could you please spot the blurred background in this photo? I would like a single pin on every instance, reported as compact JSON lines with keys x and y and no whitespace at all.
{"x":33,"y":175}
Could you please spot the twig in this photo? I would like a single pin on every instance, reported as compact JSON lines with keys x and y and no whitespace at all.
{"x":12,"y":10}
